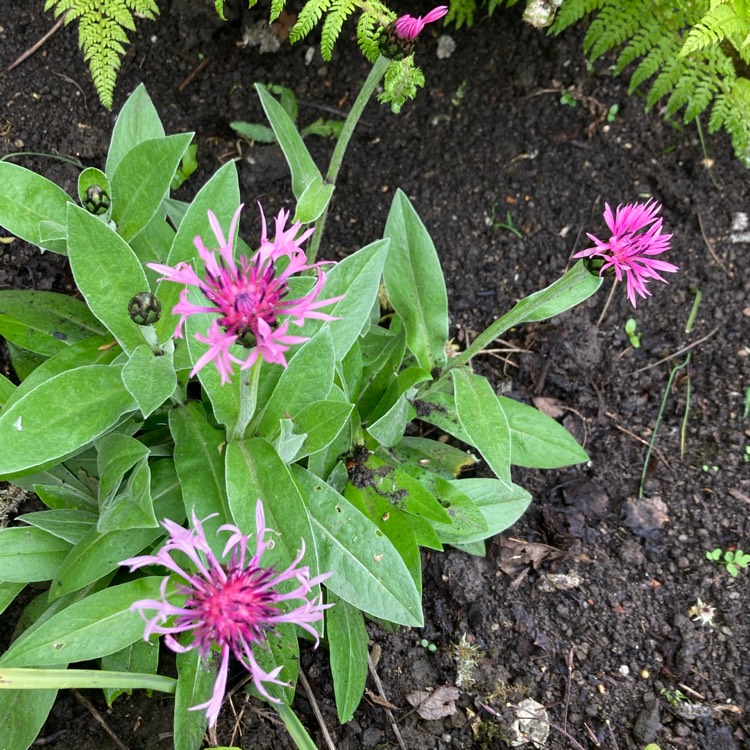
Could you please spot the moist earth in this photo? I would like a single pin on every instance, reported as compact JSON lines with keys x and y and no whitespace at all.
{"x":583,"y":605}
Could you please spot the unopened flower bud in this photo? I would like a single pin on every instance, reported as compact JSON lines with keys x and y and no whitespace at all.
{"x":393,"y":46}
{"x":96,"y":200}
{"x":144,"y":309}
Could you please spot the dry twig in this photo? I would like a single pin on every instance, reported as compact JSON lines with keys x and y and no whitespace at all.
{"x":388,"y":711}
{"x":84,"y":701}
{"x":316,"y":711}
{"x":34,"y":47}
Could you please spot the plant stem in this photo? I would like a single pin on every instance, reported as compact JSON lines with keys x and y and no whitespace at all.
{"x":248,"y":400}
{"x":367,"y":90}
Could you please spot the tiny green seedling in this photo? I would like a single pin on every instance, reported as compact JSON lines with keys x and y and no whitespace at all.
{"x":652,"y":746}
{"x":568,"y":99}
{"x":612,"y":112}
{"x":732,"y":560}
{"x":710,"y":468}
{"x":631,"y":329}
{"x":673,"y":697}
{"x":507,"y":224}
{"x":431,"y":647}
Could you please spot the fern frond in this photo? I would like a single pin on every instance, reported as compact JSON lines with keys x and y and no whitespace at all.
{"x":572,"y":11}
{"x":102,"y":35}
{"x":369,"y":26}
{"x":339,"y":12}
{"x":732,"y":112}
{"x":614,"y":25}
{"x":461,"y":12}
{"x":308,"y":18}
{"x":401,"y":81}
{"x":728,"y":20}
{"x":276,"y":7}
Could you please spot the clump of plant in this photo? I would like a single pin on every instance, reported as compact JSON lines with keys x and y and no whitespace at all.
{"x":235,"y":442}
{"x":732,"y":560}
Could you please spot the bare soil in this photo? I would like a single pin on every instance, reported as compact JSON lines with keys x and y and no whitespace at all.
{"x":488,"y":138}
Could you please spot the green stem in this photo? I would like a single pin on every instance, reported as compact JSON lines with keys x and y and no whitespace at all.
{"x":248,"y":399}
{"x":373,"y":79}
{"x":40,"y":679}
{"x":294,"y":726}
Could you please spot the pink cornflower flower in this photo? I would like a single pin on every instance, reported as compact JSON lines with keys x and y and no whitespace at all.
{"x":409,"y":28}
{"x":231,"y":605}
{"x":630,"y":249}
{"x":249,"y":297}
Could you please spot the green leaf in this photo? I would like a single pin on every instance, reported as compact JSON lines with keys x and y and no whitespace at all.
{"x":199,"y":462}
{"x":150,"y":379}
{"x":131,"y":506}
{"x":347,"y":644}
{"x":440,"y":458}
{"x":96,"y":350}
{"x":107,"y":278}
{"x":321,"y":422}
{"x":484,"y":421}
{"x":142,"y":180}
{"x":97,"y":555}
{"x":28,"y":554}
{"x":301,"y":164}
{"x":307,"y":378}
{"x":141,"y":657}
{"x":357,"y":277}
{"x":313,"y":201}
{"x":45,"y":322}
{"x":29,"y":204}
{"x":537,"y":441}
{"x":101,"y":624}
{"x":61,"y":416}
{"x":382,"y":355}
{"x":221,"y":194}
{"x":137,"y":122}
{"x":500,"y":506}
{"x":8,"y":592}
{"x":7,"y":389}
{"x":22,"y":715}
{"x":415,"y":284}
{"x":24,"y":362}
{"x":195,"y":681}
{"x":255,"y":471}
{"x":368,"y":572}
{"x":253,"y":131}
{"x":69,"y":525}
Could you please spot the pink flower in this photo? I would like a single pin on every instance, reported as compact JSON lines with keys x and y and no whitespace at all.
{"x":630,"y":249}
{"x":249,"y":297}
{"x":409,"y":28}
{"x":231,"y":605}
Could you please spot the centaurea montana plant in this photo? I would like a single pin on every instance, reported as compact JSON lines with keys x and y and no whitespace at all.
{"x":232,"y":605}
{"x":125,"y":431}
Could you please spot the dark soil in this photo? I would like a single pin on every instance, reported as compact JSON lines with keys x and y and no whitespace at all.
{"x":488,"y":136}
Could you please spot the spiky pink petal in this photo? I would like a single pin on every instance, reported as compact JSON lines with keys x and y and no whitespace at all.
{"x":409,"y":28}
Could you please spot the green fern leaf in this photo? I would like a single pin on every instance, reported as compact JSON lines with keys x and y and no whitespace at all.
{"x":724,"y":21}
{"x":338,"y":13}
{"x":276,"y":7}
{"x":572,"y":11}
{"x":401,"y":81}
{"x":308,"y":18}
{"x":102,"y":35}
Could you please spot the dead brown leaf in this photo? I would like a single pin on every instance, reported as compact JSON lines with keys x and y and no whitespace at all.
{"x":380,"y":700}
{"x":549,"y":406}
{"x":517,"y":555}
{"x":435,"y":704}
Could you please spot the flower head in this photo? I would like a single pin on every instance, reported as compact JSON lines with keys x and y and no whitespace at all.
{"x":636,"y":238}
{"x":231,"y":604}
{"x":409,"y":28}
{"x":248,"y":297}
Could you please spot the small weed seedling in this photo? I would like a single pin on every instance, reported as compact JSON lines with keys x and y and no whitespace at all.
{"x":634,"y":336}
{"x":673,"y":697}
{"x":431,"y":647}
{"x":732,"y":560}
{"x":507,"y":224}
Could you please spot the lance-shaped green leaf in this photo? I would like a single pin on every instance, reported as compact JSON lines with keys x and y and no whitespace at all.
{"x":347,"y":647}
{"x":150,"y":378}
{"x":109,"y":277}
{"x":32,"y":207}
{"x":368,"y":571}
{"x":97,"y":555}
{"x":357,"y":277}
{"x":439,"y":457}
{"x":142,"y":179}
{"x":96,"y":350}
{"x":221,"y":195}
{"x":199,"y":460}
{"x":100,"y":624}
{"x":538,"y":441}
{"x":195,"y":682}
{"x":255,"y":471}
{"x":321,"y":422}
{"x":415,"y":284}
{"x":28,"y":554}
{"x":7,"y":389}
{"x":8,"y":592}
{"x":301,"y":164}
{"x":22,"y":715}
{"x":141,"y":657}
{"x":308,"y":377}
{"x":69,"y":525}
{"x":313,"y":201}
{"x":138,"y":121}
{"x":483,"y":420}
{"x":45,"y":322}
{"x":382,"y":354}
{"x":60,"y":417}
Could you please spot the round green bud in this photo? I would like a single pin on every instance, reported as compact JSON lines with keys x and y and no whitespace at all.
{"x":96,"y":200}
{"x":144,"y":309}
